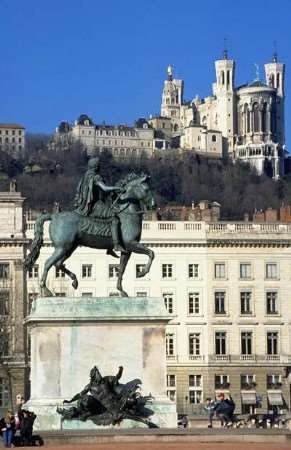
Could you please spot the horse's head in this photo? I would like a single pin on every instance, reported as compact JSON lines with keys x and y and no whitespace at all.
{"x":138,"y":189}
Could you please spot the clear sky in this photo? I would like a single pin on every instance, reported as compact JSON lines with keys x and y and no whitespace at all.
{"x":108,"y":58}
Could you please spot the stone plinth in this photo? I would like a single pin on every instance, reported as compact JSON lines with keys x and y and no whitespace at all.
{"x":71,"y":335}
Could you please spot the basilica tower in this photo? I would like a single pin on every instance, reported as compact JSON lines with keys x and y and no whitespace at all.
{"x":224,"y":91}
{"x":275,"y":78}
{"x":172,"y":100}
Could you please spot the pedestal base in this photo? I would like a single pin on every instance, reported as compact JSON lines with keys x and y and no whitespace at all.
{"x":71,"y":335}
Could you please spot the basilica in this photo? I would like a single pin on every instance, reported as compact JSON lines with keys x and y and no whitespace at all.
{"x":241,"y":122}
{"x":236,"y":122}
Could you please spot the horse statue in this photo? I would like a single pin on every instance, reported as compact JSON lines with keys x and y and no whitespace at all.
{"x":70,"y":229}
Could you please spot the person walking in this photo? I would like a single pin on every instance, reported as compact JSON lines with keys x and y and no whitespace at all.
{"x":210,"y":409}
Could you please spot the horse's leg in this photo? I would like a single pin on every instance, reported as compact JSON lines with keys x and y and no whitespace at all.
{"x":122,"y":265}
{"x":137,"y":247}
{"x":60,"y":265}
{"x":69,"y":273}
{"x":58,"y":254}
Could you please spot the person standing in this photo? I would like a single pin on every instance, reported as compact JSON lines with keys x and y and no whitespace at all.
{"x":210,"y":408}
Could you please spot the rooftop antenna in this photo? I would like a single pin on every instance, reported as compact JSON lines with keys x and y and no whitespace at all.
{"x":275,"y":52}
{"x":225,"y":53}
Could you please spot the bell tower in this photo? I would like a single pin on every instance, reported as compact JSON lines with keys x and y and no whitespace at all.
{"x":172,"y":99}
{"x":275,"y":78}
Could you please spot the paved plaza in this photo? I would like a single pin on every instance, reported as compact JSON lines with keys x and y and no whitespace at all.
{"x":176,"y":446}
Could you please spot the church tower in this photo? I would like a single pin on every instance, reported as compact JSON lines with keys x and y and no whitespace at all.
{"x":172,"y":100}
{"x":275,"y":78}
{"x":224,"y":91}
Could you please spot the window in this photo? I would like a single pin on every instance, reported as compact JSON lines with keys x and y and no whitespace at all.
{"x":271,"y":271}
{"x":60,"y":273}
{"x":213,"y":138}
{"x":32,"y":296}
{"x":193,"y":271}
{"x":4,"y":393}
{"x":274,"y":381}
{"x":219,"y":270}
{"x":171,"y":387}
{"x":272,"y":342}
{"x":247,"y":381}
{"x":221,"y":381}
{"x":245,"y":271}
{"x":141,"y":294}
{"x":246,"y":302}
{"x":219,"y":302}
{"x":272,"y":302}
{"x":194,"y":344}
{"x":170,"y":349}
{"x":4,"y":271}
{"x":193,"y":303}
{"x":86,"y":270}
{"x":220,"y":343}
{"x":4,"y":303}
{"x":87,"y":294}
{"x":195,"y":389}
{"x":139,"y":269}
{"x":246,"y":342}
{"x":169,"y":302}
{"x":113,"y":270}
{"x":167,"y":270}
{"x":33,"y":272}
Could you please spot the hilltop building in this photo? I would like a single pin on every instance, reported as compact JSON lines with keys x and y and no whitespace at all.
{"x":244,"y":122}
{"x":12,"y":138}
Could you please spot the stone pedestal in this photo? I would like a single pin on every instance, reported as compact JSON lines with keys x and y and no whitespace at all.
{"x":71,"y":335}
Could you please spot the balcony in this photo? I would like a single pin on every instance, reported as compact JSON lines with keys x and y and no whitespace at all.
{"x":248,"y":358}
{"x":219,"y":358}
{"x":173,"y":358}
{"x":196,"y":358}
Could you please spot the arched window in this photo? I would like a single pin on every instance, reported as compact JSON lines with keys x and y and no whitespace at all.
{"x":167,"y":101}
{"x":264,"y":118}
{"x":271,"y":80}
{"x":248,"y":119}
{"x":256,"y":117}
{"x":222,"y":77}
{"x":278,"y":80}
{"x":228,"y":78}
{"x":213,"y":138}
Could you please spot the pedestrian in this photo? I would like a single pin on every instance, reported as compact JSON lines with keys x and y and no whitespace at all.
{"x":8,"y":428}
{"x":210,"y":409}
{"x":225,"y":409}
{"x":185,"y":422}
{"x":26,"y":426}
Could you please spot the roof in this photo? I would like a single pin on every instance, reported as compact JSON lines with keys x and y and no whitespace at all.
{"x":11,"y":125}
{"x":83,"y":118}
{"x":257,"y":83}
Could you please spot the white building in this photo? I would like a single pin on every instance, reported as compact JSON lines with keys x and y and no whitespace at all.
{"x":227,"y":286}
{"x":244,"y":122}
{"x":120,"y":140}
{"x":12,"y":137}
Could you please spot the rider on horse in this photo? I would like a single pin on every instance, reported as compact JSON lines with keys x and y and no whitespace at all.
{"x":92,"y":200}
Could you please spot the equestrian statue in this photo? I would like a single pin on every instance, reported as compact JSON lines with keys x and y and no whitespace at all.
{"x":104,"y":217}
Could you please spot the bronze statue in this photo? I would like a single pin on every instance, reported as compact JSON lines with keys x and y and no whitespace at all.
{"x":97,"y":222}
{"x":105,"y":401}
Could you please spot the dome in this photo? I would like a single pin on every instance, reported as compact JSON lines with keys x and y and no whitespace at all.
{"x":84,"y":120}
{"x":257,"y":83}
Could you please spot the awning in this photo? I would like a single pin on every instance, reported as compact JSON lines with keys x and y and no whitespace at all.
{"x":275,"y":398}
{"x":248,"y":398}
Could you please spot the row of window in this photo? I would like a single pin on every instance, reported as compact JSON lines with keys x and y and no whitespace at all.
{"x":12,"y":132}
{"x":167,"y":271}
{"x":13,"y":140}
{"x":220,"y":302}
{"x":220,"y":343}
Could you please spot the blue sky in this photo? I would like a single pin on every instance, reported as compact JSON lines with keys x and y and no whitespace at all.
{"x":108,"y":58}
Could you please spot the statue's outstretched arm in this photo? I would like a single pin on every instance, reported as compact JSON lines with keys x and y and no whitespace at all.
{"x":105,"y":188}
{"x":79,"y":395}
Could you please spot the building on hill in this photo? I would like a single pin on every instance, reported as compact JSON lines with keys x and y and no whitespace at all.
{"x":13,"y":364}
{"x":12,"y":138}
{"x":227,"y":286}
{"x":120,"y":140}
{"x":244,"y":122}
{"x":272,"y":215}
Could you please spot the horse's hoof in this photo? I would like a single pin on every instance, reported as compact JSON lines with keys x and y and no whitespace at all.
{"x":45,"y":292}
{"x":75,"y":284}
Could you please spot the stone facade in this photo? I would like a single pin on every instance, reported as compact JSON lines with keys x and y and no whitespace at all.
{"x":227,"y":286}
{"x":121,"y":140}
{"x":12,"y":138}
{"x":12,"y":297}
{"x":244,"y":122}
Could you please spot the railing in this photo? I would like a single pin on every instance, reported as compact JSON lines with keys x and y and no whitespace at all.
{"x":248,"y":358}
{"x":196,"y":357}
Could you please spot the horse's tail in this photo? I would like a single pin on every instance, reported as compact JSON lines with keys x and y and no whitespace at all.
{"x":37,"y":241}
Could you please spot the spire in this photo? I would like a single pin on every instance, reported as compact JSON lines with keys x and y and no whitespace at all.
{"x":170,"y":70}
{"x":257,"y":72}
{"x":275,"y":53}
{"x":225,"y":52}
